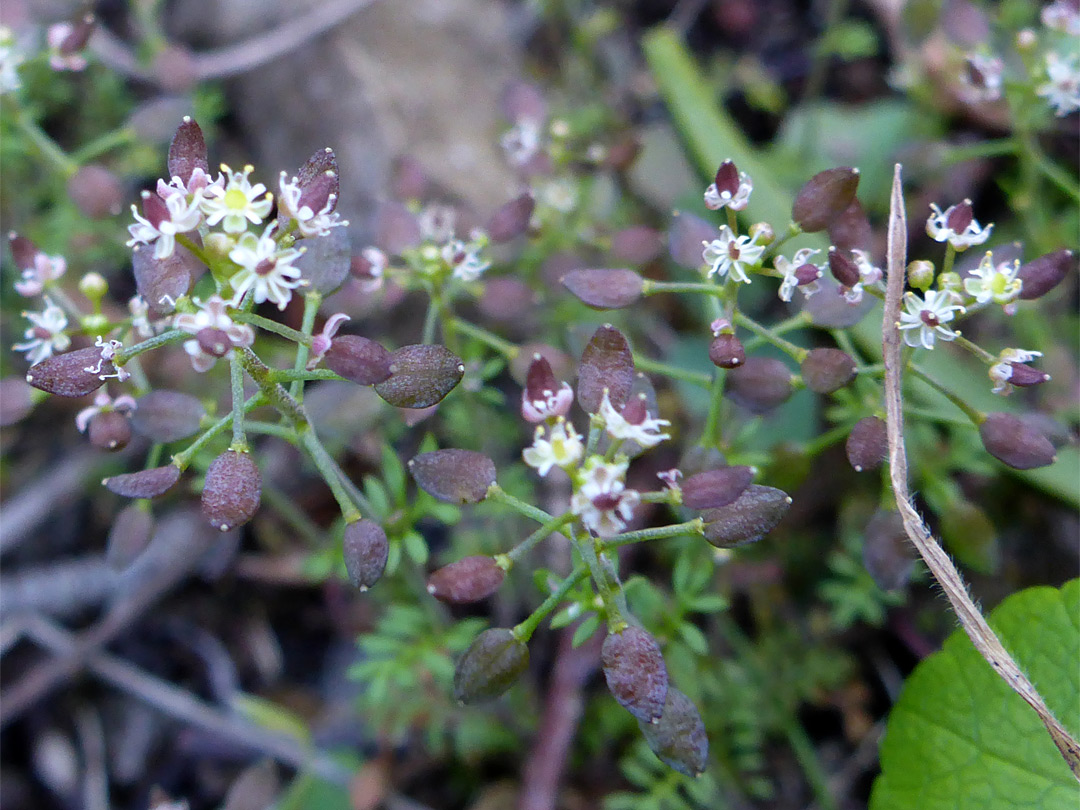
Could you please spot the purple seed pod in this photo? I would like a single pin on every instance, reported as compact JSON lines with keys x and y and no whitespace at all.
{"x":1008,"y":439}
{"x":454,"y":476}
{"x":326,"y":260}
{"x":507,"y":300}
{"x":158,"y":280}
{"x":851,"y":230}
{"x":622,"y":154}
{"x":66,"y":374}
{"x":16,"y":400}
{"x":396,"y":228}
{"x":1025,"y":376}
{"x":128,"y":537}
{"x":827,"y":370}
{"x":408,"y":180}
{"x":468,"y":580}
{"x":886,"y":552}
{"x":824,"y":197}
{"x":511,"y":220}
{"x":726,"y":351}
{"x":714,"y":489}
{"x":1041,"y":275}
{"x":187,"y":151}
{"x":560,"y":363}
{"x":604,"y":289}
{"x":356,"y":358}
{"x":109,"y":430}
{"x":233,"y":487}
{"x":606,"y":364}
{"x":96,"y":192}
{"x":420,"y":376}
{"x":494,"y":660}
{"x":214,"y":342}
{"x":318,"y":179}
{"x":752,"y":516}
{"x":700,"y":459}
{"x":522,"y":101}
{"x":759,"y":384}
{"x":635,"y":672}
{"x":144,"y":483}
{"x":365,"y":549}
{"x":843,"y":267}
{"x":167,"y":416}
{"x":685,"y":237}
{"x":637,"y":245}
{"x":867,"y":444}
{"x":23,"y":251}
{"x":679,"y":738}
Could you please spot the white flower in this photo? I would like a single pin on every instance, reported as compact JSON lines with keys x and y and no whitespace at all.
{"x":634,"y":423}
{"x":998,"y":284}
{"x":601,"y":499}
{"x":563,"y":448}
{"x":162,"y":219}
{"x":46,"y":333}
{"x":368,"y":269}
{"x":109,"y":348}
{"x":198,"y":182}
{"x":265,"y":269}
{"x":437,"y":223}
{"x":957,"y":226}
{"x":521,"y":143}
{"x":103,"y":402}
{"x":1062,"y":91}
{"x":1009,"y":370}
{"x":798,"y":272}
{"x":928,"y":315}
{"x":10,"y":59}
{"x":731,"y":189}
{"x":869,"y":273}
{"x":236,"y":203}
{"x":561,"y":194}
{"x":543,"y":397}
{"x":464,"y":259}
{"x":312,"y":207}
{"x":46,"y":268}
{"x":731,"y":255}
{"x":982,"y":78}
{"x":61,"y":58}
{"x":1062,"y":15}
{"x":212,"y":316}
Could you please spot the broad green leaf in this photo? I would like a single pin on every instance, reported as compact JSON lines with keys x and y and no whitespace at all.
{"x":960,"y":739}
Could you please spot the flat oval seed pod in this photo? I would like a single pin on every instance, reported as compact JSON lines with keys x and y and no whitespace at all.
{"x":887,"y":553}
{"x":635,"y":672}
{"x":1013,"y":442}
{"x":167,"y":416}
{"x":365,"y":551}
{"x":607,"y":363}
{"x":726,"y":351}
{"x":420,"y":376}
{"x":187,"y":152}
{"x":454,"y":476}
{"x":637,"y":244}
{"x":145,"y":483}
{"x":748,"y":519}
{"x":468,"y":580}
{"x":867,"y":444}
{"x":824,"y":197}
{"x":604,"y":289}
{"x":679,"y":739}
{"x":66,"y":374}
{"x":326,"y":260}
{"x":490,"y":665}
{"x":714,"y":489}
{"x":232,"y":491}
{"x":827,"y":370}
{"x":511,"y":219}
{"x":851,"y":230}
{"x":109,"y":430}
{"x":759,"y":385}
{"x":159,"y":280}
{"x":358,"y":359}
{"x":1041,"y":275}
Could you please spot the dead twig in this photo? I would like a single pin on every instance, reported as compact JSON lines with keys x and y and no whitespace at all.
{"x":971,"y":619}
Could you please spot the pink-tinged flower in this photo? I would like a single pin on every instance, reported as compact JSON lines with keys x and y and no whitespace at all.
{"x":237,"y":202}
{"x":601,"y":499}
{"x":1010,"y":370}
{"x":46,"y":333}
{"x":957,"y":226}
{"x":368,"y":269}
{"x":869,"y":273}
{"x":109,"y":348}
{"x":162,"y":220}
{"x":670,"y":478}
{"x":1062,"y":15}
{"x":198,"y":183}
{"x":544,"y":398}
{"x":1062,"y":90}
{"x":731,"y":255}
{"x":464,"y":259}
{"x":265,"y":269}
{"x":925,"y":317}
{"x":731,"y":189}
{"x":37,"y":268}
{"x":215,"y":332}
{"x":998,"y":283}
{"x":799,"y":272}
{"x":103,"y":402}
{"x":312,"y":207}
{"x":66,"y":42}
{"x":320,"y":343}
{"x":633,"y":423}
{"x":982,"y":78}
{"x":437,"y":223}
{"x":562,"y":448}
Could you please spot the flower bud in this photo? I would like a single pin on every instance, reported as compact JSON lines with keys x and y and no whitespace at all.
{"x":1025,"y":376}
{"x":233,"y":487}
{"x":93,"y":286}
{"x":109,"y":430}
{"x":358,"y":359}
{"x":66,"y":374}
{"x":365,"y":550}
{"x":843,"y":267}
{"x":213,"y":341}
{"x":752,"y":516}
{"x":824,"y":197}
{"x":867,"y":444}
{"x":1041,"y":275}
{"x":467,"y":580}
{"x":1008,"y":439}
{"x":420,"y":376}
{"x":636,"y":245}
{"x":685,"y":238}
{"x":759,"y":384}
{"x":96,"y":192}
{"x":714,"y":489}
{"x":144,"y":483}
{"x":454,"y":476}
{"x":678,"y":739}
{"x":920,"y":274}
{"x":511,"y":220}
{"x":128,"y":537}
{"x":560,"y":364}
{"x":886,"y":553}
{"x":726,"y":351}
{"x":851,"y":230}
{"x":762,"y":233}
{"x":494,"y":660}
{"x":606,"y":364}
{"x":635,"y":672}
{"x":167,"y":416}
{"x":827,"y":370}
{"x":604,"y":289}
{"x":319,"y":176}
{"x":187,"y":152}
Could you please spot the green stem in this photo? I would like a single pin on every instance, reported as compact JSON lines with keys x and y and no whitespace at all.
{"x":49,"y":149}
{"x":499,"y":495}
{"x":950,"y":257}
{"x":183,"y":458}
{"x":975,"y":349}
{"x":196,"y":251}
{"x":745,"y":321}
{"x":293,"y":515}
{"x":103,"y":144}
{"x":523,"y":631}
{"x":288,"y":375}
{"x":826,"y":440}
{"x":271,"y":429}
{"x":431,"y":318}
{"x":976,"y":416}
{"x":330,"y":473}
{"x":172,"y":336}
{"x":312,"y":301}
{"x":674,"y":372}
{"x":272,"y":326}
{"x":808,"y":759}
{"x":503,"y":347}
{"x":605,"y":578}
{"x":695,"y":526}
{"x":236,"y":370}
{"x":545,"y":531}
{"x":710,"y":433}
{"x":650,"y":287}
{"x":993,"y":148}
{"x":274,"y":393}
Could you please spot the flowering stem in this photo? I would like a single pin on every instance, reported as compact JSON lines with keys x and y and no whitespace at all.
{"x":523,"y":631}
{"x":976,"y":416}
{"x":695,"y":526}
{"x":271,"y":429}
{"x":545,"y":531}
{"x":793,"y":230}
{"x":275,"y":394}
{"x":288,"y":375}
{"x":596,"y":430}
{"x":650,"y":287}
{"x":330,"y":473}
{"x":108,"y":141}
{"x":605,"y":578}
{"x":976,"y":350}
{"x":503,"y":347}
{"x":732,"y":220}
{"x":686,"y":375}
{"x":745,"y":321}
{"x":950,"y":257}
{"x":500,"y":495}
{"x":46,"y":145}
{"x":183,"y":458}
{"x":312,"y":300}
{"x":272,"y":326}
{"x":236,"y":371}
{"x":430,"y":318}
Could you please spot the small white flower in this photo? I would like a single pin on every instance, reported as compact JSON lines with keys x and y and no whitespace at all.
{"x":211,"y":315}
{"x":162,"y":219}
{"x":199,"y":182}
{"x":1062,"y":15}
{"x":103,"y":402}
{"x":957,"y":226}
{"x":464,"y":259}
{"x":1062,"y":91}
{"x":869,"y":273}
{"x":320,"y":343}
{"x":237,"y":202}
{"x":563,"y":448}
{"x":521,"y":143}
{"x":981,"y":78}
{"x":46,"y":268}
{"x":109,"y":348}
{"x":10,"y":59}
{"x":561,"y":194}
{"x":46,"y":333}
{"x":312,"y":208}
{"x":731,"y":256}
{"x":928,"y":315}
{"x":998,"y":284}
{"x":731,"y":189}
{"x":798,"y":272}
{"x":634,"y":423}
{"x":265,"y":269}
{"x":55,"y":36}
{"x":543,"y":397}
{"x":601,"y":499}
{"x":368,"y":269}
{"x":1008,"y":370}
{"x":437,"y":223}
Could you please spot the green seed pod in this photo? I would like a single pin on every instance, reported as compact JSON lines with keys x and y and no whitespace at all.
{"x":1041,"y":275}
{"x":714,"y":489}
{"x":827,"y":370}
{"x":468,"y":580}
{"x":604,"y":289}
{"x":759,"y":385}
{"x":748,"y":519}
{"x":867,"y":444}
{"x":726,"y":351}
{"x":679,"y":739}
{"x":824,"y":197}
{"x":494,"y":660}
{"x":365,"y":550}
{"x":1008,"y":439}
{"x":606,"y":364}
{"x":420,"y":376}
{"x":635,"y":672}
{"x":886,"y":551}
{"x":145,"y":483}
{"x":454,"y":476}
{"x":66,"y":374}
{"x":109,"y":430}
{"x":232,"y":491}
{"x":358,"y":359}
